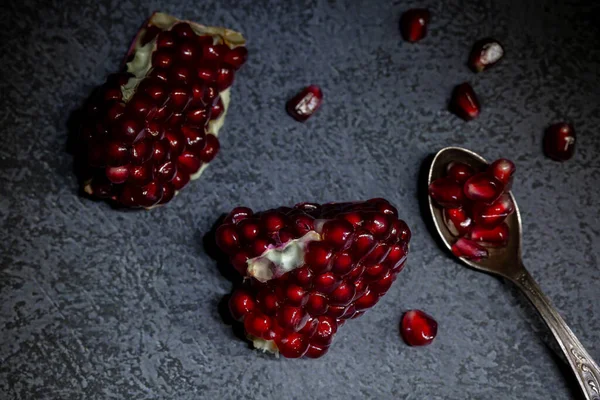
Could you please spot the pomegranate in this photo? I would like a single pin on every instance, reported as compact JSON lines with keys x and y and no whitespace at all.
{"x":418,"y":328}
{"x":310,"y":268}
{"x":559,"y":141}
{"x":413,"y":24}
{"x":153,"y":127}
{"x":485,"y":53}
{"x":464,"y":102}
{"x":476,"y":204}
{"x":303,"y":105}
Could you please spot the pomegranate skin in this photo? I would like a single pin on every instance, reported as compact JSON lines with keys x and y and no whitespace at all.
{"x":152,"y":127}
{"x":309,"y":281}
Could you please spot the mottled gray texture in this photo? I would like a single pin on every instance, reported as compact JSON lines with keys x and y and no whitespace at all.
{"x":101,"y":304}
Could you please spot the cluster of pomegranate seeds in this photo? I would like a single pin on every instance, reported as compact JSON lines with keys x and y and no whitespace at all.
{"x":149,"y":130}
{"x":413,"y":24}
{"x":310,"y":268}
{"x":484,"y":54}
{"x":418,"y":328}
{"x":559,"y":141}
{"x":303,"y":105}
{"x":476,"y":205}
{"x":464,"y":102}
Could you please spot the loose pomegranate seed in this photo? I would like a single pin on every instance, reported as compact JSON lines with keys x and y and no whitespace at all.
{"x":305,"y":104}
{"x":418,"y":328}
{"x":483,"y":187}
{"x":492,"y":215}
{"x":311,"y":269}
{"x":446,"y":192}
{"x":236,"y":57}
{"x":240,"y":304}
{"x":413,"y":24}
{"x":469,"y":249}
{"x":495,"y":237}
{"x":460,"y":172}
{"x":559,"y":142}
{"x":485,"y":53}
{"x":503,"y":170}
{"x":458,"y":221}
{"x":464,"y":102}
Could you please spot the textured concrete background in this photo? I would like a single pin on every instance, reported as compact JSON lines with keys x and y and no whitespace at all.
{"x":101,"y":304}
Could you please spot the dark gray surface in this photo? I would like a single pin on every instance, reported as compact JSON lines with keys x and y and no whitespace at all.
{"x":100,"y":304}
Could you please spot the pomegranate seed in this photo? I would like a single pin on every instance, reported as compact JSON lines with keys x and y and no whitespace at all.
{"x":413,"y":24}
{"x":142,"y":107}
{"x":318,"y":256}
{"x":326,"y":330}
{"x":176,"y":142}
{"x":559,"y":141}
{"x":303,"y":276}
{"x":343,"y":294}
{"x":492,"y":215}
{"x":159,"y":152}
{"x":485,"y":53}
{"x":117,"y":153}
{"x":168,"y":193}
{"x":236,"y":57}
{"x":115,"y":112}
{"x":206,"y":73}
{"x":469,"y":249}
{"x":129,"y":130}
{"x":291,"y":317}
{"x":296,"y":295}
{"x":446,"y":192}
{"x":225,"y":78}
{"x":188,"y":162}
{"x":268,"y":303}
{"x":166,"y":172}
{"x":212,"y":52}
{"x":256,"y":324}
{"x":293,"y":345}
{"x":317,"y":304}
{"x":239,"y":214}
{"x":316,"y":351}
{"x":162,"y":59}
{"x":180,"y":97}
{"x":187,"y":50}
{"x":249,"y":229}
{"x":181,"y":73}
{"x":326,"y":282}
{"x":211,"y":93}
{"x":197,"y":116}
{"x":460,"y":172}
{"x":159,"y":74}
{"x":197,"y":94}
{"x":377,"y":224}
{"x":303,"y":224}
{"x":217,"y":109}
{"x":180,"y":179}
{"x":337,"y":233}
{"x":149,"y":194}
{"x":305,"y":103}
{"x":194,"y":139}
{"x":141,"y":152}
{"x":418,"y":328}
{"x":241,"y":304}
{"x":483,"y":187}
{"x":457,"y":220}
{"x":495,"y":237}
{"x":165,"y":40}
{"x":368,"y":300}
{"x":113,"y":94}
{"x":117,"y":174}
{"x":503,"y":170}
{"x":464,"y":102}
{"x":183,"y":30}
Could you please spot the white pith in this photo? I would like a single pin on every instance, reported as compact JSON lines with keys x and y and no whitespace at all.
{"x":273,"y":263}
{"x":492,"y":53}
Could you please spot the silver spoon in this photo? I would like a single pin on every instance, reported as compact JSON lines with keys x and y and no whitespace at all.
{"x":507,"y":263}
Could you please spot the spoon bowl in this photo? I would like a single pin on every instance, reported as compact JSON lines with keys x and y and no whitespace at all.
{"x":506,"y":262}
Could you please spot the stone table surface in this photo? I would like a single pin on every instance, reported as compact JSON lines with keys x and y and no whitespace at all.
{"x":102,"y":304}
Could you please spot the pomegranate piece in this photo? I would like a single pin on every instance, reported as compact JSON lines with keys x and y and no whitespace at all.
{"x":469,"y":249}
{"x":464,"y":102}
{"x":458,"y":221}
{"x":495,"y":237}
{"x":503,"y":170}
{"x":446,"y":192}
{"x":483,"y":187}
{"x":491,"y":215}
{"x":559,"y":141}
{"x":418,"y":328}
{"x":302,"y":106}
{"x":460,"y":172}
{"x":484,"y":54}
{"x":308,"y":269}
{"x":153,"y":127}
{"x":413,"y":24}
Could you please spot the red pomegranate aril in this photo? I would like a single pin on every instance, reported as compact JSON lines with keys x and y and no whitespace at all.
{"x":382,"y":285}
{"x":249,"y":229}
{"x":326,"y":330}
{"x":296,"y":295}
{"x":457,"y":220}
{"x":259,"y":246}
{"x":484,"y":54}
{"x":559,"y":142}
{"x":355,"y":272}
{"x":155,"y":129}
{"x":168,"y":193}
{"x":197,"y":116}
{"x":317,"y":304}
{"x":310,"y":328}
{"x":159,"y":152}
{"x":315,"y":351}
{"x":140,"y":175}
{"x":206,"y":73}
{"x":117,"y":174}
{"x":469,"y":249}
{"x":337,"y":233}
{"x":141,"y":152}
{"x":256,"y":324}
{"x":374,"y":272}
{"x":182,"y":74}
{"x":211,"y":94}
{"x":117,"y":153}
{"x":197,"y":95}
{"x":413,"y":24}
{"x":268,"y":303}
{"x":159,"y":74}
{"x":239,"y":214}
{"x":293,"y":345}
{"x":343,"y":294}
{"x":303,"y":224}
{"x":464,"y":102}
{"x":187,"y":50}
{"x":418,"y":328}
{"x":241,"y":304}
{"x":503,"y":170}
{"x":236,"y":57}
{"x":292,"y":317}
{"x":129,"y":130}
{"x":189,"y":162}
{"x":183,"y":30}
{"x":142,"y":107}
{"x":227,"y":237}
{"x":166,"y":172}
{"x":272,"y":221}
{"x":162,"y":59}
{"x":113,"y":94}
{"x":377,"y":224}
{"x":491,"y":215}
{"x":305,"y":104}
{"x":342,"y":264}
{"x":180,"y":97}
{"x":366,"y":301}
{"x":303,"y":276}
{"x":149,"y":195}
{"x":483,"y":187}
{"x":363,"y":244}
{"x":495,"y":237}
{"x":446,"y":192}
{"x":165,"y":40}
{"x":210,"y":150}
{"x":194,"y":139}
{"x":326,"y":283}
{"x":211,"y":52}
{"x":180,"y":179}
{"x":127,"y":196}
{"x":176,"y":142}
{"x":217,"y":109}
{"x":460,"y":172}
{"x":115,"y":112}
{"x":225,"y":77}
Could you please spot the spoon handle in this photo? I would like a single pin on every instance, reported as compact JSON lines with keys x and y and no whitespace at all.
{"x":586,"y":370}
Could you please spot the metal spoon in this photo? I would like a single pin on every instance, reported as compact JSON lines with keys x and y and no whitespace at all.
{"x":507,"y":263}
